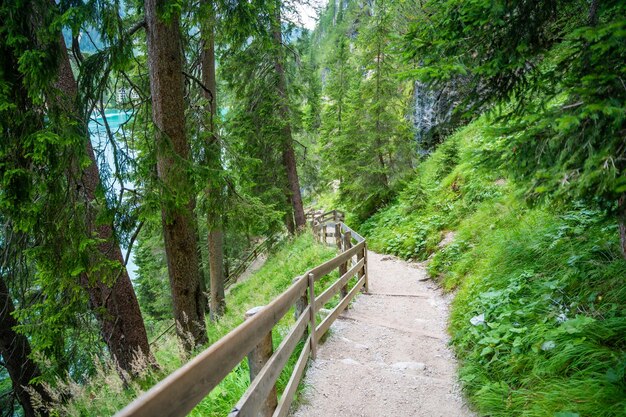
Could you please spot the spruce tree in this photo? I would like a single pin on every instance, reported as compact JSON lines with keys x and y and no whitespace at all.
{"x":213,"y":163}
{"x":165,"y":63}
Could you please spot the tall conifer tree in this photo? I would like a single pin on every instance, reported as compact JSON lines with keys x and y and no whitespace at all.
{"x":165,"y":64}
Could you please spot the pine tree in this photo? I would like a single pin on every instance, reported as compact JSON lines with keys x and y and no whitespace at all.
{"x":289,"y":156}
{"x":553,"y":70}
{"x":366,"y":134}
{"x":168,"y":110}
{"x":16,"y":353}
{"x":111,"y":293}
{"x":213,"y":163}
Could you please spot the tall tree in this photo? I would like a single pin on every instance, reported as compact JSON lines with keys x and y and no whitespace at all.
{"x":111,"y":293}
{"x":165,"y":63}
{"x":289,"y":155}
{"x":367,"y":103}
{"x":16,"y":355}
{"x":213,"y":163}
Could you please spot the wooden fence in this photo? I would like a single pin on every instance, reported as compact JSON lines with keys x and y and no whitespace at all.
{"x":252,"y":255}
{"x":181,"y":391}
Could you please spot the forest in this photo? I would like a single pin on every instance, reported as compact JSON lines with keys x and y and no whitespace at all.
{"x":146,"y":147}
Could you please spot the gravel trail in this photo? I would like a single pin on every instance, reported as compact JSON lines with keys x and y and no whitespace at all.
{"x":387,"y":355}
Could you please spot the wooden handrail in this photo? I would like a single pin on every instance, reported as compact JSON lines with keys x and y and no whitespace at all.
{"x":245,"y":263}
{"x":181,"y":391}
{"x":354,"y":235}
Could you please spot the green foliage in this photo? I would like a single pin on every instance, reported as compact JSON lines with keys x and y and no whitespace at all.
{"x":44,"y":242}
{"x":152,"y":282}
{"x":561,"y":65}
{"x":552,"y":336}
{"x":450,"y":184}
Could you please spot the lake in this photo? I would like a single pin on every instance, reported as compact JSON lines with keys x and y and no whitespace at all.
{"x":115,"y":119}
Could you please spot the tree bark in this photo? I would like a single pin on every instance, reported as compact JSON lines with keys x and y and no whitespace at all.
{"x":621,"y":214}
{"x":15,"y":351}
{"x":165,"y":65}
{"x":111,"y":294}
{"x":289,"y":223}
{"x":214,"y":164}
{"x":289,"y":156}
{"x":379,"y":145}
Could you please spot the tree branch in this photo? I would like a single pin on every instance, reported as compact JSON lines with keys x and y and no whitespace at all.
{"x":204,"y":87}
{"x":132,"y":242}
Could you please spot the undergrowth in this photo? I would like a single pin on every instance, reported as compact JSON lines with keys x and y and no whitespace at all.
{"x":105,"y":393}
{"x":539,"y":321}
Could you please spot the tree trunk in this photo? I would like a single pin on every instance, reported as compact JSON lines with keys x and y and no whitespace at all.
{"x":165,"y":66}
{"x":289,"y":223}
{"x":203,"y":279}
{"x":216,"y":263}
{"x":289,"y":156}
{"x":379,"y":133}
{"x":213,"y":162}
{"x":15,"y":351}
{"x":621,"y":214}
{"x":111,"y":294}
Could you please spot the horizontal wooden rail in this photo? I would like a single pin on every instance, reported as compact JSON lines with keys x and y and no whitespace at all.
{"x":294,"y":381}
{"x":264,"y":382}
{"x":328,"y":266}
{"x":177,"y":394}
{"x":245,"y":263}
{"x":325,"y":324}
{"x":336,"y":286}
{"x":354,"y":235}
{"x":181,"y":391}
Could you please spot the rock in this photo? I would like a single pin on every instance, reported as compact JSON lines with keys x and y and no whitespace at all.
{"x":416,"y":366}
{"x":477,"y":320}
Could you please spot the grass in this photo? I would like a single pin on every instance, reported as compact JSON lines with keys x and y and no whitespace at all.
{"x":105,"y":393}
{"x":539,"y":319}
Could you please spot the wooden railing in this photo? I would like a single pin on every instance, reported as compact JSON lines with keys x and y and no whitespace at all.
{"x":181,"y":391}
{"x":252,"y":255}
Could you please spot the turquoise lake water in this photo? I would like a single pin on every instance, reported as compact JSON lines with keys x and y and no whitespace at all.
{"x":97,"y":130}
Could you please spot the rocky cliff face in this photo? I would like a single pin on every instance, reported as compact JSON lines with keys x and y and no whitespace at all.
{"x":432,"y":111}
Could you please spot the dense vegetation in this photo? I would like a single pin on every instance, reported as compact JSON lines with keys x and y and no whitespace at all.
{"x":538,"y":320}
{"x":484,"y":138}
{"x":516,"y":196}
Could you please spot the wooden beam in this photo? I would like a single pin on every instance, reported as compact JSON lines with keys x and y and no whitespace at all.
{"x":328,"y":266}
{"x":312,"y":314}
{"x":263,"y":384}
{"x":287,"y":398}
{"x":323,"y":298}
{"x":326,"y":323}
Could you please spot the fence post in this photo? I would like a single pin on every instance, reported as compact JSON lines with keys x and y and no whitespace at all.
{"x":338,"y":236}
{"x":366,"y":286}
{"x":363,"y":271}
{"x":256,"y":360}
{"x":301,"y":303}
{"x":343,"y":268}
{"x":312,"y":314}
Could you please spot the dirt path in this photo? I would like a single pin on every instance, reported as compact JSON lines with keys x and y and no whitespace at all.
{"x":388,"y":354}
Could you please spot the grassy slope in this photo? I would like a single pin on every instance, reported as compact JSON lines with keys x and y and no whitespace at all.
{"x":105,"y":393}
{"x":548,"y":281}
